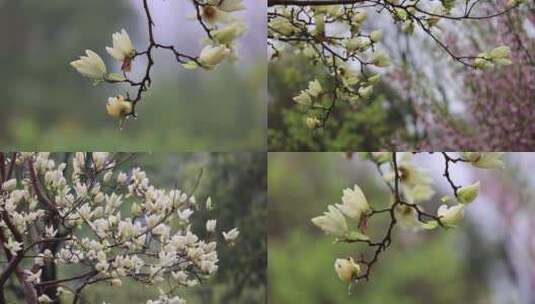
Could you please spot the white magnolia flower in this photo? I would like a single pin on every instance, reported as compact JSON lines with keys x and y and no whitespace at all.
{"x":122,"y":178}
{"x":332,"y":222}
{"x":50,"y":232}
{"x":418,"y":192}
{"x":354,"y":203}
{"x":346,"y":269}
{"x":303,"y":98}
{"x":283,"y":26}
{"x":212,"y":14}
{"x":409,"y":174}
{"x":33,"y":277}
{"x":125,"y":229}
{"x":210,"y":225}
{"x":213,"y":55}
{"x":102,"y":266}
{"x":380,"y":59}
{"x":209,"y":204}
{"x":229,"y":33}
{"x":501,"y":52}
{"x":376,"y":36}
{"x":118,"y":107}
{"x":485,"y":160}
{"x":314,"y":88}
{"x":451,"y":215}
{"x":358,"y":43}
{"x":45,"y":299}
{"x":9,"y":185}
{"x":312,"y":122}
{"x":107,"y":177}
{"x":61,"y":291}
{"x":407,"y":217}
{"x":366,"y":92}
{"x":231,"y":235}
{"x":13,"y":246}
{"x":91,"y":66}
{"x":122,"y":46}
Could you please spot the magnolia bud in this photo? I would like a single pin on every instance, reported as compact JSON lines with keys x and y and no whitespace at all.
{"x":380,"y":59}
{"x":358,"y":43}
{"x":135,"y":209}
{"x":468,"y":194}
{"x":376,"y":36}
{"x":107,"y":177}
{"x":500,"y":52}
{"x":451,"y":215}
{"x":116,"y":283}
{"x":346,"y":269}
{"x":366,"y":92}
{"x":312,"y":122}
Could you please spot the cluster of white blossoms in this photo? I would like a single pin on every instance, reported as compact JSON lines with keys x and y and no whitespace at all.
{"x":348,"y":221}
{"x":498,"y":56}
{"x":116,"y":225}
{"x":92,"y":66}
{"x":219,"y":24}
{"x":337,"y":37}
{"x":346,"y":54}
{"x":224,"y":28}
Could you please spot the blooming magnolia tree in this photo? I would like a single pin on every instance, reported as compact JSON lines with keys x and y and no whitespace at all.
{"x":220,"y":27}
{"x":498,"y":104}
{"x":107,"y":224}
{"x":334,"y":35}
{"x":409,"y":186}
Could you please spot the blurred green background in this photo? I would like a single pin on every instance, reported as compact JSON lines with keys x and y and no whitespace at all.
{"x":236,"y":182}
{"x":453,"y":266}
{"x":46,"y":105}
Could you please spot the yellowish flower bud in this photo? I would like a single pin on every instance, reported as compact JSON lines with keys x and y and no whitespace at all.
{"x":312,"y":122}
{"x":451,"y":216}
{"x":346,"y":269}
{"x":376,"y":36}
{"x":468,"y":194}
{"x":380,"y":59}
{"x":366,"y":92}
{"x":118,"y":107}
{"x":116,"y":283}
